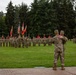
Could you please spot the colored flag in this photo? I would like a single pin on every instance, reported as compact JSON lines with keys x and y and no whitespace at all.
{"x":23,"y":26}
{"x":23,"y":32}
{"x":11,"y":31}
{"x":25,"y":29}
{"x":19,"y":28}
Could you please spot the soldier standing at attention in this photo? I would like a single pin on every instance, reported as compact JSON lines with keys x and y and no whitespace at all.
{"x":0,"y":42}
{"x":38,"y":40}
{"x":44,"y":40}
{"x":15,"y":42}
{"x":23,"y":41}
{"x":49,"y":40}
{"x":34,"y":41}
{"x":57,"y":40}
{"x":7,"y":41}
{"x":29,"y":41}
{"x":3,"y":41}
{"x":19,"y":41}
{"x":64,"y":40}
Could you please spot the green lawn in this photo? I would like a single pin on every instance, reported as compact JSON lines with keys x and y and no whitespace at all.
{"x":35,"y":56}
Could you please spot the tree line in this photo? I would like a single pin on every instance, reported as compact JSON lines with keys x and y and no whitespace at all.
{"x":42,"y":17}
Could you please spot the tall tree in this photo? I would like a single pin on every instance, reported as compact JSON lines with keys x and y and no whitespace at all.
{"x":23,"y":14}
{"x":10,"y":16}
{"x":16,"y":18}
{"x":71,"y":20}
{"x":2,"y":24}
{"x":66,"y":17}
{"x":33,"y":17}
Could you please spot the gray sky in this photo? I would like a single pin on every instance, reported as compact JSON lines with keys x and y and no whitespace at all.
{"x":74,"y":4}
{"x":4,"y":3}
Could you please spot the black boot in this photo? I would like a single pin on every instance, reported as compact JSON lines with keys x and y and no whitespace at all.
{"x":54,"y":67}
{"x":62,"y":67}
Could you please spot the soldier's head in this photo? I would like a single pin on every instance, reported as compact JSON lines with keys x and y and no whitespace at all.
{"x":56,"y":32}
{"x":61,"y":32}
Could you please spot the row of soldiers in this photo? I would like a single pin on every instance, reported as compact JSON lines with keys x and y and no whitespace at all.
{"x":24,"y":42}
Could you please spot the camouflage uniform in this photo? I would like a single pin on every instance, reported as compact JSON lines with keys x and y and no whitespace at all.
{"x":63,"y":40}
{"x":29,"y":41}
{"x":15,"y":42}
{"x":6,"y":42}
{"x":0,"y":42}
{"x":3,"y":42}
{"x":39,"y":41}
{"x":11,"y":42}
{"x":49,"y":41}
{"x":23,"y":41}
{"x":34,"y":41}
{"x":59,"y":48}
{"x":19,"y":42}
{"x":44,"y":41}
{"x":26,"y":42}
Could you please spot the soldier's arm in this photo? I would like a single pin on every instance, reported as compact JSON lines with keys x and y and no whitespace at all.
{"x":52,"y":40}
{"x":65,"y":39}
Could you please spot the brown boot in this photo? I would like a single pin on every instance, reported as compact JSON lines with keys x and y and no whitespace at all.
{"x":54,"y":67}
{"x":62,"y":67}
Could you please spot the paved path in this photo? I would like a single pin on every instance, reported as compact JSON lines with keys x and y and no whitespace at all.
{"x":38,"y":71}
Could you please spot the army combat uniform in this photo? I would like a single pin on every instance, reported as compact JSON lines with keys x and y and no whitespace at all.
{"x":49,"y":42}
{"x":58,"y":42}
{"x":3,"y":42}
{"x":34,"y":41}
{"x":0,"y":42}
{"x":44,"y":41}
{"x":6,"y":42}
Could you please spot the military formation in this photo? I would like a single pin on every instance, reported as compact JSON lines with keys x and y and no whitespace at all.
{"x":19,"y":42}
{"x":59,"y":40}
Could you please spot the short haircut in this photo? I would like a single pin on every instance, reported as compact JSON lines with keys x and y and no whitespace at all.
{"x":56,"y":32}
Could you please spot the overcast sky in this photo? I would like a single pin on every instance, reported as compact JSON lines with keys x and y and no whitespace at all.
{"x":4,"y":3}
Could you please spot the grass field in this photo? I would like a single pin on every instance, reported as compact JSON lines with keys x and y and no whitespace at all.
{"x":35,"y":56}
